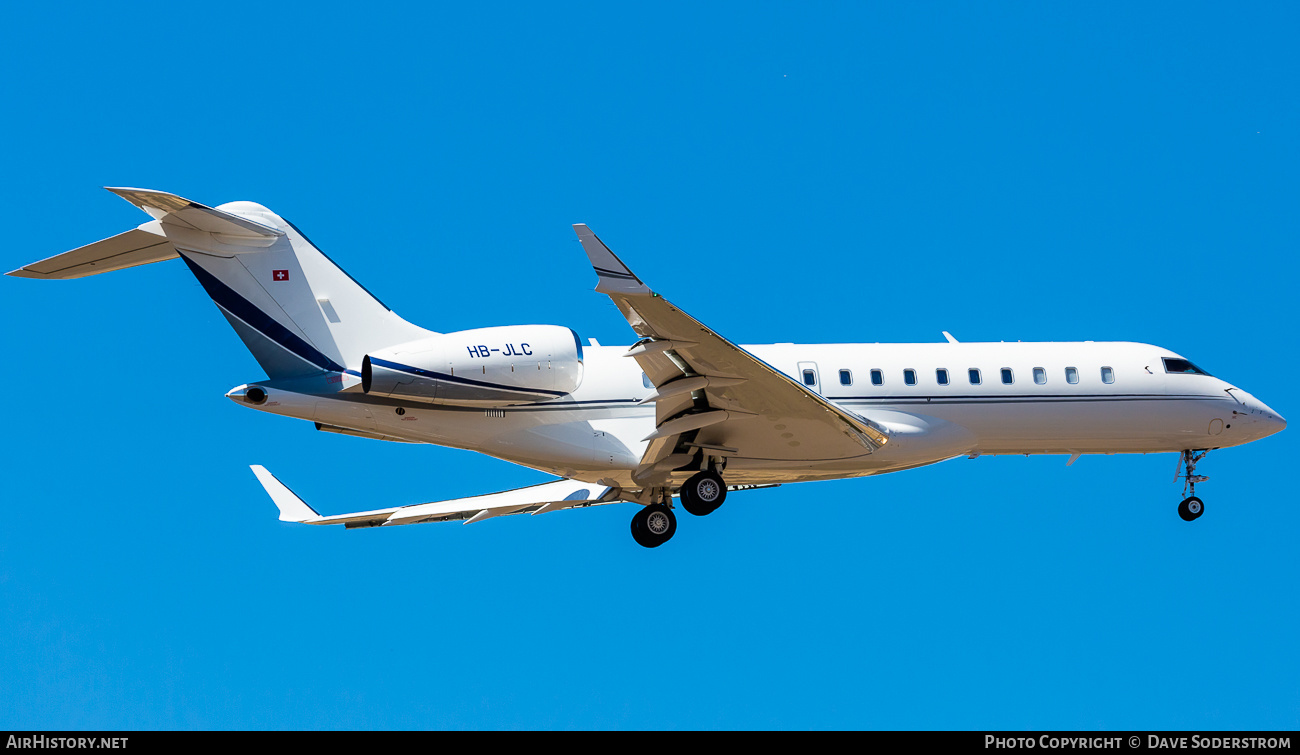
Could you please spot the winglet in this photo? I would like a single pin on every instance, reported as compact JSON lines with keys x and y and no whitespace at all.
{"x":292,"y":508}
{"x":615,"y":277}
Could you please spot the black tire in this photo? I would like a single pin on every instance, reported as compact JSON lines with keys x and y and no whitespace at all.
{"x":1191,"y":508}
{"x":636,"y":532}
{"x":703,"y":493}
{"x":653,"y":526}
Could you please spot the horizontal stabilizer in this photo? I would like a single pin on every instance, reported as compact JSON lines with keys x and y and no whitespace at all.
{"x":139,"y":246}
{"x":149,"y":242}
{"x":536,"y":499}
{"x":175,"y":210}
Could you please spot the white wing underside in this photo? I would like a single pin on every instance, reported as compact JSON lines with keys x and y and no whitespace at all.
{"x":536,"y":499}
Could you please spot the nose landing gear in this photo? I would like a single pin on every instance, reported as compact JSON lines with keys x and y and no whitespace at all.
{"x":1191,"y":507}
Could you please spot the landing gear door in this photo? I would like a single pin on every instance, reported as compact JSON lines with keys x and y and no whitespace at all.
{"x":809,"y":376}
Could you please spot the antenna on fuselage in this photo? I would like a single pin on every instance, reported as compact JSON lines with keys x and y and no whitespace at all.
{"x":948,"y":335}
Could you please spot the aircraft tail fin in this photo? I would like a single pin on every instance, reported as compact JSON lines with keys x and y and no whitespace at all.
{"x":296,"y":310}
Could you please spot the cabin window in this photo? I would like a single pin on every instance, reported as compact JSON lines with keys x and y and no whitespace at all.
{"x":645,"y":379}
{"x":1182,"y":367}
{"x":1007,"y":377}
{"x":1071,"y":376}
{"x":809,"y":377}
{"x":1040,"y":376}
{"x":1107,"y":375}
{"x":877,"y":377}
{"x":846,"y":377}
{"x":909,"y":377}
{"x":941,"y":375}
{"x":974,"y":376}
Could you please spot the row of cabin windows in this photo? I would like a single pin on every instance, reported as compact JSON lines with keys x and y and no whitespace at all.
{"x":1173,"y":365}
{"x":975,"y":376}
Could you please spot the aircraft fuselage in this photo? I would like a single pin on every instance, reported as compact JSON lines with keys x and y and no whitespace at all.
{"x":1055,"y":400}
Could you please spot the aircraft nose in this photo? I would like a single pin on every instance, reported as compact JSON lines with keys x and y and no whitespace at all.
{"x":1271,"y":420}
{"x":1278,"y":420}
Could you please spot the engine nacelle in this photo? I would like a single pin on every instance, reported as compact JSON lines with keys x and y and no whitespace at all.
{"x":516,"y":364}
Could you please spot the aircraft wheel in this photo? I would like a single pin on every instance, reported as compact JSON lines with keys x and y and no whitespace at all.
{"x":703,"y":493}
{"x":636,"y":531}
{"x":1191,"y":508}
{"x":653,"y":525}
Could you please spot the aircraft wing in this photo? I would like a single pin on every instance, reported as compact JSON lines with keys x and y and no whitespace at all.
{"x":713,"y":396}
{"x":537,"y":499}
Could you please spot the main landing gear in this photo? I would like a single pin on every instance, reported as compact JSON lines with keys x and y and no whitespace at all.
{"x":653,"y":525}
{"x":701,"y":495}
{"x":1191,"y":507}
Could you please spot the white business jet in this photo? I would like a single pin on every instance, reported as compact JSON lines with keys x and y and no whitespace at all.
{"x":683,"y":412}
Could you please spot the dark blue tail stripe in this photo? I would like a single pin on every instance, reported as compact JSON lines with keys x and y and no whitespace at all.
{"x":263,"y":323}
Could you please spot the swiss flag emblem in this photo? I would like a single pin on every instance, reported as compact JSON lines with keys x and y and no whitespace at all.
{"x":280,"y":275}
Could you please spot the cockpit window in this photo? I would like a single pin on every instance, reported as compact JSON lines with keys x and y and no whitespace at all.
{"x":1176,"y":366}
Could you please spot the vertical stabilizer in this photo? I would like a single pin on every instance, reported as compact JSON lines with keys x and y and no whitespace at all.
{"x":297,"y":311}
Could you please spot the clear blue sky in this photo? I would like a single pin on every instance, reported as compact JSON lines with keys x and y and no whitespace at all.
{"x":784,"y":172}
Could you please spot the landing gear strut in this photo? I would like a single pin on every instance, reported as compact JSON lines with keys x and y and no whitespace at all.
{"x":1191,"y":507}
